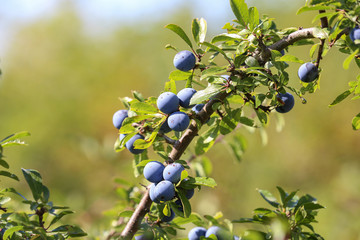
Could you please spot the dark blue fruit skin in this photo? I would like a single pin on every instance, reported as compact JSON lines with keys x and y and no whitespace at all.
{"x":308,"y":72}
{"x":178,"y":121}
{"x":196,"y":233}
{"x":189,"y":193}
{"x":198,"y":107}
{"x":119,"y":117}
{"x":168,"y":102}
{"x":153,"y":171}
{"x":220,"y":233}
{"x":169,"y":218}
{"x":288,"y":100}
{"x":355,"y":34}
{"x":184,"y":61}
{"x":172,"y":172}
{"x":130,"y":144}
{"x":152,"y":193}
{"x":165,"y":127}
{"x":184,"y":97}
{"x":164,"y":191}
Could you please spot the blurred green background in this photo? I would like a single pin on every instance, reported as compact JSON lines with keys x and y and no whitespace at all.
{"x":65,"y":64}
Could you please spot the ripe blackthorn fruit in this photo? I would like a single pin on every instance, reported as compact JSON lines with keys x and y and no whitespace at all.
{"x":198,"y":107}
{"x":196,"y":233}
{"x":288,"y":100}
{"x":172,"y":172}
{"x":164,"y":191}
{"x":119,"y":117}
{"x":153,"y":171}
{"x":168,"y":102}
{"x":178,"y":121}
{"x":184,"y":97}
{"x":355,"y":34}
{"x":184,"y":60}
{"x":308,"y":72}
{"x":130,"y":144}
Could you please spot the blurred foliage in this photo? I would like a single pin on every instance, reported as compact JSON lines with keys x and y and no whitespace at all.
{"x":62,"y":84}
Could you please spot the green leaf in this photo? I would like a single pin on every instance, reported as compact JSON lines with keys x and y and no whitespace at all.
{"x":198,"y":29}
{"x":347,"y":61}
{"x":247,"y":121}
{"x":320,"y":33}
{"x":251,"y":62}
{"x":72,"y":231}
{"x":269,"y":197}
{"x":205,"y":181}
{"x":10,"y":231}
{"x":238,"y":146}
{"x":356,"y":122}
{"x":290,"y":58}
{"x":14,"y":136}
{"x":240,"y":11}
{"x":206,"y":94}
{"x":253,"y":17}
{"x":212,"y":71}
{"x":206,"y":140}
{"x":138,"y":96}
{"x":340,"y":98}
{"x":34,"y":180}
{"x":143,"y":107}
{"x":170,"y":86}
{"x":178,"y":75}
{"x":192,"y":218}
{"x":185,"y":203}
{"x":169,"y":46}
{"x":59,"y":216}
{"x":4,"y":199}
{"x":313,"y":8}
{"x":325,"y":14}
{"x":9,"y":175}
{"x":179,"y":31}
{"x":224,"y":37}
{"x":4,"y":164}
{"x":313,"y":49}
{"x":217,"y":49}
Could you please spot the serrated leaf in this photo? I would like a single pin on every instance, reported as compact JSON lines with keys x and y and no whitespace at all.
{"x":247,"y":121}
{"x":313,"y":8}
{"x":356,"y":122}
{"x":290,"y":58}
{"x":179,"y":31}
{"x":205,"y":181}
{"x":212,"y":71}
{"x":206,"y":94}
{"x":178,"y":75}
{"x":253,"y":17}
{"x":269,"y":197}
{"x":143,"y":107}
{"x":340,"y":98}
{"x":240,"y":11}
{"x":348,"y":60}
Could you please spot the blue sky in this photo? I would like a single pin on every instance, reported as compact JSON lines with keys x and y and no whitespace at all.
{"x":100,"y":13}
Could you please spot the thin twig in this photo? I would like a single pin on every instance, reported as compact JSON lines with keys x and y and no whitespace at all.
{"x":324,"y":24}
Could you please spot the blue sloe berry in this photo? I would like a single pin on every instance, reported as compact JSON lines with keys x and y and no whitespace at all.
{"x":178,"y":121}
{"x":153,"y":171}
{"x":288,"y":100}
{"x":168,"y":102}
{"x":119,"y":117}
{"x":172,"y":172}
{"x":308,"y":72}
{"x":184,"y":96}
{"x":196,"y":233}
{"x":184,"y":60}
